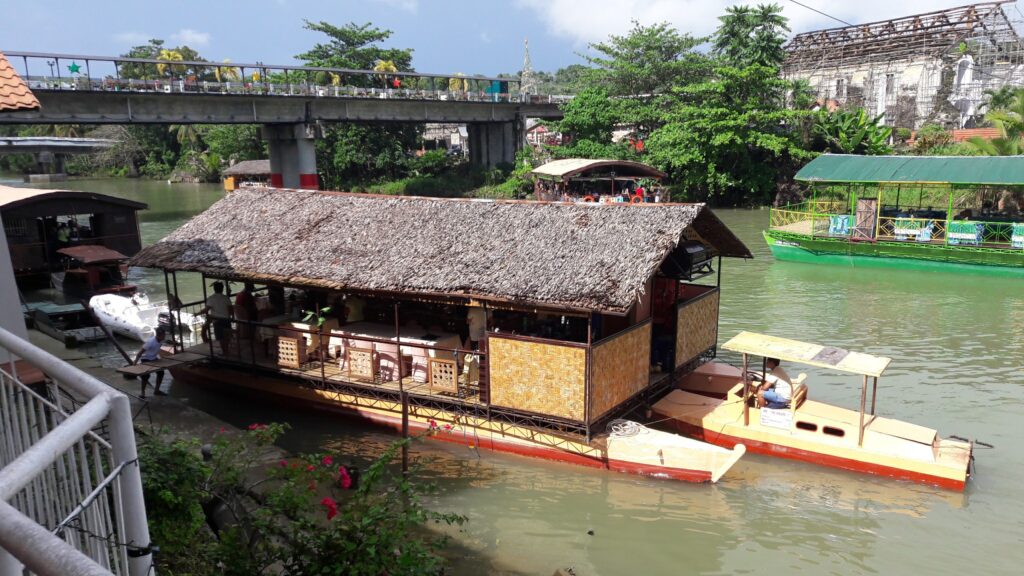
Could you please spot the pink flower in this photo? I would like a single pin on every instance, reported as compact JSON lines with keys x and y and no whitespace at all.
{"x":448,"y":427}
{"x":344,"y":480}
{"x":331,"y":506}
{"x":222,"y":430}
{"x":327,"y":461}
{"x":283,"y":463}
{"x":310,"y":468}
{"x":433,"y":424}
{"x":257,"y":426}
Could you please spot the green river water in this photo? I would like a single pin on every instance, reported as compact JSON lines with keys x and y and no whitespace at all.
{"x":956,"y":344}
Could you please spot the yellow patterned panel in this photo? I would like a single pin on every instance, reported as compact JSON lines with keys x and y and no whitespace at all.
{"x":360,"y":363}
{"x":291,"y":351}
{"x":621,"y":368}
{"x":537,"y":377}
{"x":697,"y":328}
{"x":443,"y":376}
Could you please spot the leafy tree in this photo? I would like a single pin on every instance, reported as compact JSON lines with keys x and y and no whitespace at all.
{"x":235,"y":142}
{"x":749,"y":35}
{"x":1007,"y":114}
{"x":351,"y":153}
{"x":930,"y":137}
{"x":853,"y":132}
{"x":730,"y":138}
{"x":648,"y":60}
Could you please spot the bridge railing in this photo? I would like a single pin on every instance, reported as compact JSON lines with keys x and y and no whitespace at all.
{"x":70,"y":487}
{"x":45,"y":71}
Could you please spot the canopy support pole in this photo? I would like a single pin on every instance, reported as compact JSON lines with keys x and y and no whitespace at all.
{"x":863,"y":400}
{"x":746,"y":393}
{"x":874,"y":392}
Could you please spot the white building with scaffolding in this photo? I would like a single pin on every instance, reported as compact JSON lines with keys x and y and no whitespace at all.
{"x":914,"y":70}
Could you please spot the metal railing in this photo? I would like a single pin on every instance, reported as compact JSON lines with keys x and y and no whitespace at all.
{"x":71,"y":497}
{"x":120,"y":74}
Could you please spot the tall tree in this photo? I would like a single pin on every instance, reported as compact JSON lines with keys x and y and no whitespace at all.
{"x":648,"y":60}
{"x":350,"y":153}
{"x":751,"y":35}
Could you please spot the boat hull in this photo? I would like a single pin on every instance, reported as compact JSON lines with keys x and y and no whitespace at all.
{"x":697,"y":462}
{"x":708,"y":407}
{"x":900,"y":255}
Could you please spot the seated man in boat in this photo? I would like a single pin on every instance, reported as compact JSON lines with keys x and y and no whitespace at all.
{"x":777,"y":388}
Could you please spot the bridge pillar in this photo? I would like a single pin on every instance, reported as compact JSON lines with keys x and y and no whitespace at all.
{"x":493,"y":143}
{"x":292,"y":155}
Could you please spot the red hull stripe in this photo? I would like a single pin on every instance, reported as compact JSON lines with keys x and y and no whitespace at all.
{"x":309,"y":181}
{"x":815,"y":457}
{"x":276,"y":181}
{"x":469,"y":438}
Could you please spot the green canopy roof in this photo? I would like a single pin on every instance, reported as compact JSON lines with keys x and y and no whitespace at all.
{"x":972,"y":170}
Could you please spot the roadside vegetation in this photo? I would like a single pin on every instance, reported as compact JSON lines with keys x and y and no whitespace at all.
{"x":235,"y":507}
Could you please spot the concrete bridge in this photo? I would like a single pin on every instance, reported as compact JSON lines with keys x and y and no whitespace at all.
{"x":290,"y":101}
{"x":50,"y":151}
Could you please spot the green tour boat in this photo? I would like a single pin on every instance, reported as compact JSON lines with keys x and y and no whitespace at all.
{"x":911,"y":212}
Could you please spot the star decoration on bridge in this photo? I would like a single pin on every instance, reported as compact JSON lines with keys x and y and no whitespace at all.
{"x":74,"y":68}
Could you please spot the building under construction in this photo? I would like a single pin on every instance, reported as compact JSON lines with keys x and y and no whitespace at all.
{"x":915,"y":70}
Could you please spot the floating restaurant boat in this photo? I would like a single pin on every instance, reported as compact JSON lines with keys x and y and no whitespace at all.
{"x":714,"y":403}
{"x":908,"y":212}
{"x":577,"y":316}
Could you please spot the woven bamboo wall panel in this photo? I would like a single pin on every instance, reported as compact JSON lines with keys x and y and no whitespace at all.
{"x":542,"y":378}
{"x":697,"y":329}
{"x":620,"y":368}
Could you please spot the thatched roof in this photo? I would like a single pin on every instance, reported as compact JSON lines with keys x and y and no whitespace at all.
{"x":248,"y":168}
{"x":566,"y":256}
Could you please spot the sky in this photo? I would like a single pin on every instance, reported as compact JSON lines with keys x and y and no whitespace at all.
{"x":448,"y":36}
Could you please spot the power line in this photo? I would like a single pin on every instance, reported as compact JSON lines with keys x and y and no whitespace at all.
{"x":822,"y":13}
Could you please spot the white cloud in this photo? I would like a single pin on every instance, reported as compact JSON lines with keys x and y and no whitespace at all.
{"x":407,"y":5}
{"x":585,"y":21}
{"x":131,"y":38}
{"x":191,"y":38}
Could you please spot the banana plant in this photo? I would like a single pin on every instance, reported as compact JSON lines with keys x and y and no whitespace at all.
{"x":853,"y":132}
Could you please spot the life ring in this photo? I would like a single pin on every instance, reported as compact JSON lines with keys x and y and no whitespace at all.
{"x":636,"y":199}
{"x":588,"y":198}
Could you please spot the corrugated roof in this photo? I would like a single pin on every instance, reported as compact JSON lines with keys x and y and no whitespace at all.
{"x":14,"y":94}
{"x":93,"y":254}
{"x":569,"y":167}
{"x":11,"y":196}
{"x":554,"y":255}
{"x":965,"y":170}
{"x":249,"y":168}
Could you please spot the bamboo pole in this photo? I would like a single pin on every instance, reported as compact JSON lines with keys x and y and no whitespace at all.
{"x":746,"y":392}
{"x":874,"y":392}
{"x":863,"y":399}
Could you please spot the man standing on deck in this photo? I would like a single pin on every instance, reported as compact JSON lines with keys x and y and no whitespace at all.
{"x":151,"y":351}
{"x":218,"y":307}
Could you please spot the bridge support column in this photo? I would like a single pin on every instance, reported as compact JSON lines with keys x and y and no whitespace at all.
{"x":292,"y":155}
{"x":493,"y":143}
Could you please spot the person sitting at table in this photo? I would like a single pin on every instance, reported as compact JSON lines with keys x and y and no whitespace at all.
{"x":777,"y":388}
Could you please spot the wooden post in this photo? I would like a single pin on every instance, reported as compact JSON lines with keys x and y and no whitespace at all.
{"x":587,"y":392}
{"x":177,"y":312}
{"x":746,"y":392}
{"x":863,"y":399}
{"x":209,"y":319}
{"x":405,"y":433}
{"x":398,"y":346}
{"x":874,"y":392}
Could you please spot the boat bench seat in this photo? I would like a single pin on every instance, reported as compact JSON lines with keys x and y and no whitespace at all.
{"x":799,"y":392}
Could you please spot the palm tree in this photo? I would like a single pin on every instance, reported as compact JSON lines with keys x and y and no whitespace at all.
{"x":458,"y":83}
{"x":385,"y":67}
{"x":1008,"y":117}
{"x":226,"y":73}
{"x":169,"y":55}
{"x":186,"y":134}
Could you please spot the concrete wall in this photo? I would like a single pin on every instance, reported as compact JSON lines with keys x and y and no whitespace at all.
{"x":10,"y":305}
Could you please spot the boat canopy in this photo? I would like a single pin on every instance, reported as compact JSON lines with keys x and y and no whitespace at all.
{"x":951,"y":170}
{"x":806,"y":353}
{"x":93,"y":254}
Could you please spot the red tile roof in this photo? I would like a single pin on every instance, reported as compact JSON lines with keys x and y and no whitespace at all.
{"x":14,"y":94}
{"x":967,"y":133}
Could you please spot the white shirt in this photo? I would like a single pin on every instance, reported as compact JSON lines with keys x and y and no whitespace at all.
{"x":220,"y":305}
{"x":781,"y":383}
{"x":151,"y":349}
{"x":477,"y":320}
